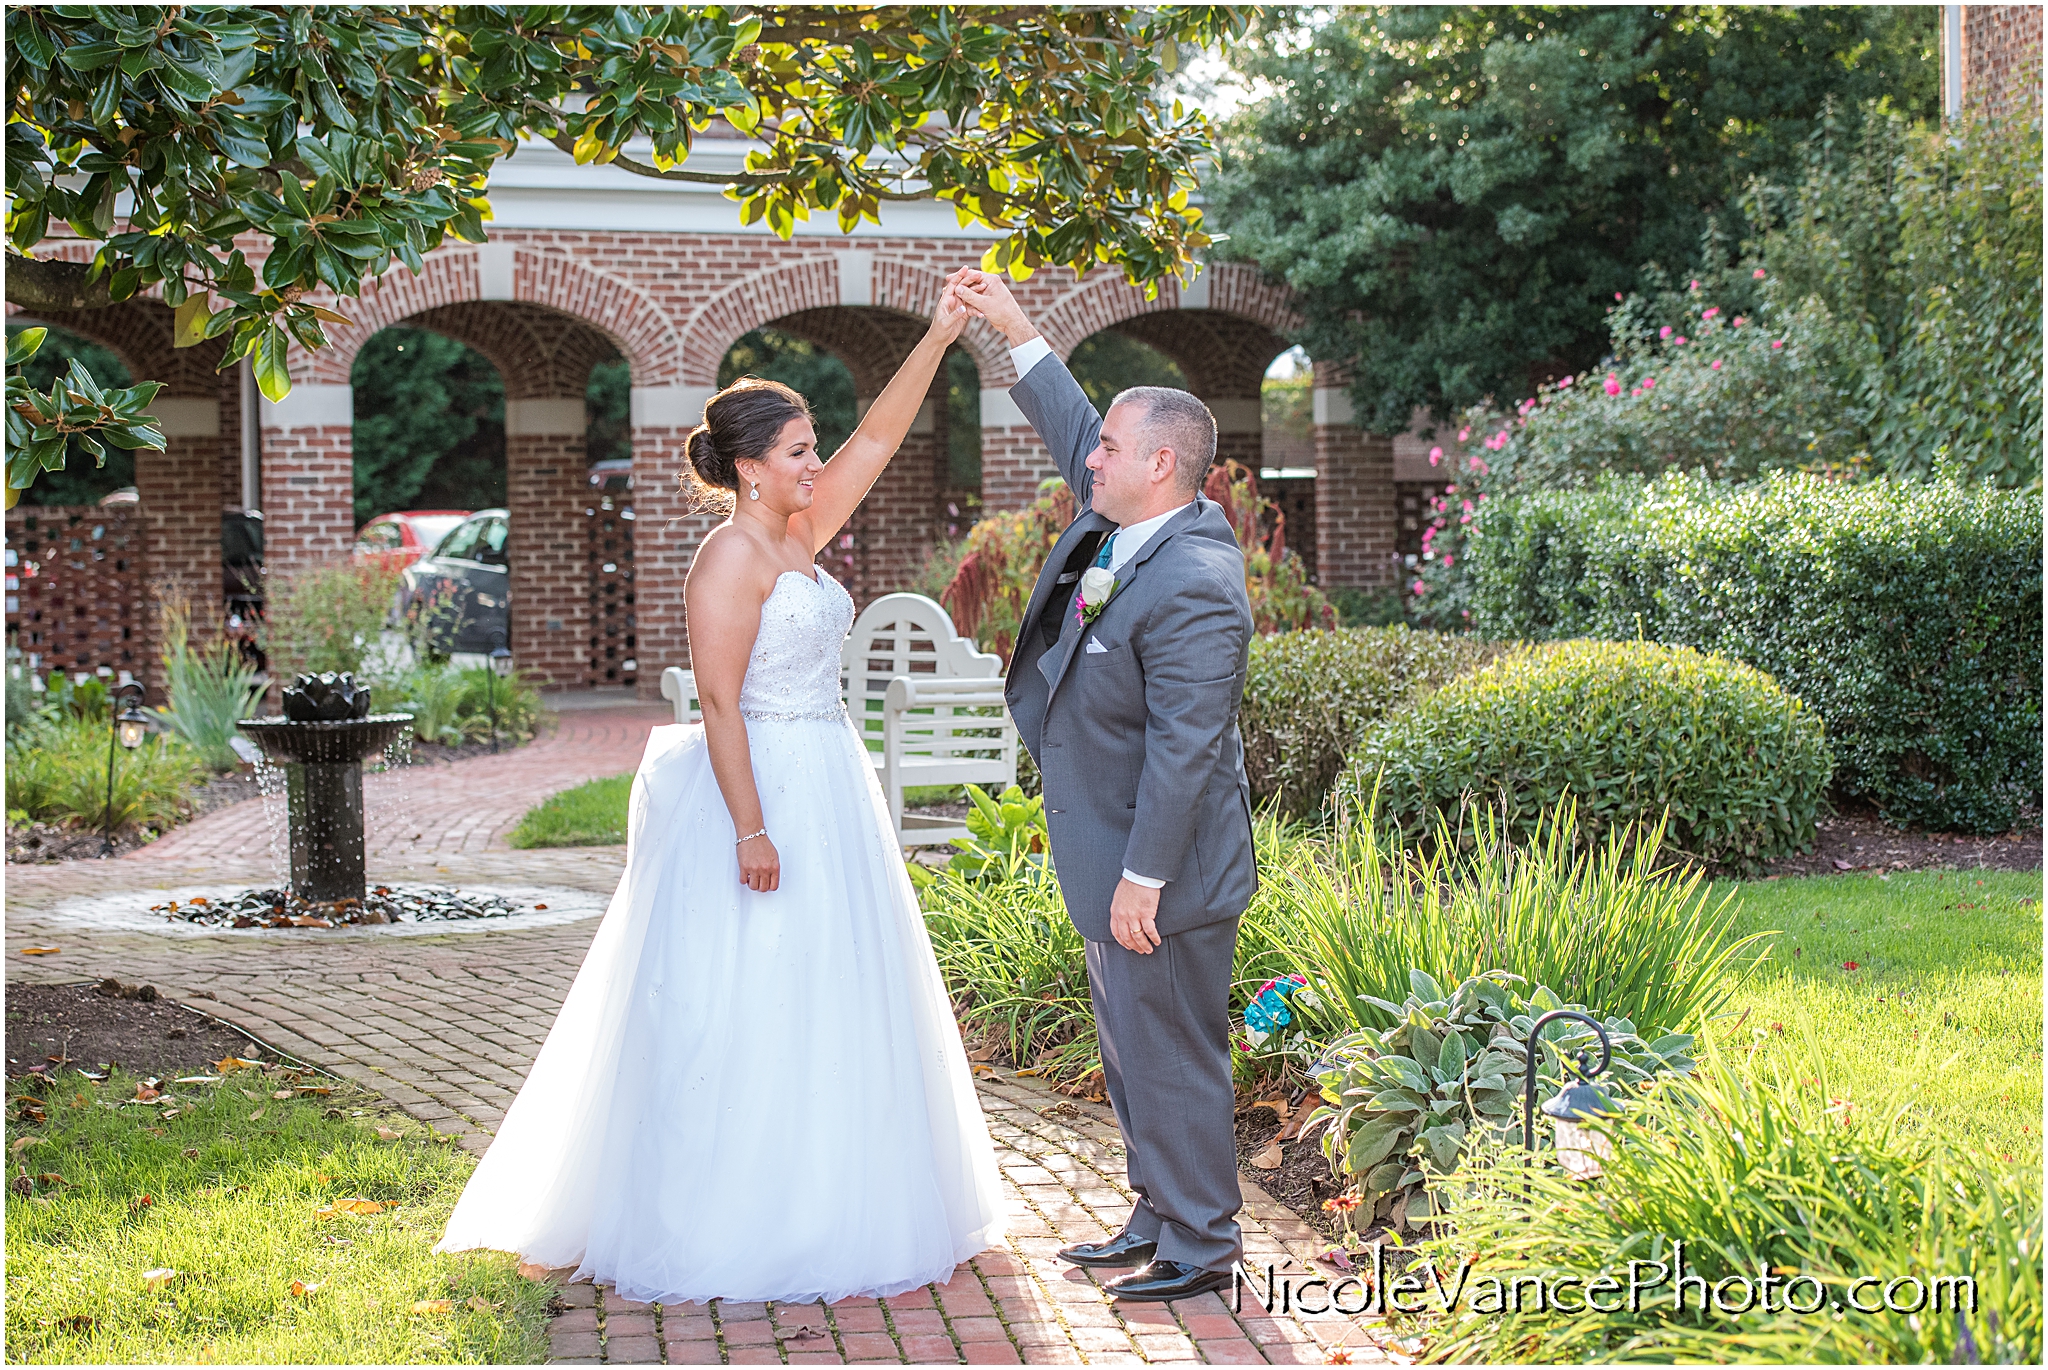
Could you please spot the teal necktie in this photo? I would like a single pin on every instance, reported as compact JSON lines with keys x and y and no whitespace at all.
{"x":1102,"y":556}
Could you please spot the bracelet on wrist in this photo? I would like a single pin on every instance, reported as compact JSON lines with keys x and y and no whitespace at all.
{"x":751,"y":836}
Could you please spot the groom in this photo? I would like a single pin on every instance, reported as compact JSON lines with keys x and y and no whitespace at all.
{"x":1125,"y":684}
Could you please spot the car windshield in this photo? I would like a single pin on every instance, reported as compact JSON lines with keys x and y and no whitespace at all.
{"x":431,"y":528}
{"x":461,"y":542}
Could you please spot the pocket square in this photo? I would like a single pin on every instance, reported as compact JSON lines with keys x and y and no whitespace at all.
{"x":1094,"y":645}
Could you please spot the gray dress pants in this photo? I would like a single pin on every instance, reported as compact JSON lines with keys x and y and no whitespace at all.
{"x":1164,"y":1020}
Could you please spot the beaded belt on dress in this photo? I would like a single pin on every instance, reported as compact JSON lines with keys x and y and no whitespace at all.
{"x":792,"y":715}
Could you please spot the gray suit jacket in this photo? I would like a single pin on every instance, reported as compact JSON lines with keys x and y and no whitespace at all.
{"x":1137,"y":743}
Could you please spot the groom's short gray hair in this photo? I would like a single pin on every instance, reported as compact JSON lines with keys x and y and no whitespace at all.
{"x":1175,"y":419}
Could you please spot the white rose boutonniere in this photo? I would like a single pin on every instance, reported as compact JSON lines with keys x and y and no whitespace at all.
{"x":1097,"y":585}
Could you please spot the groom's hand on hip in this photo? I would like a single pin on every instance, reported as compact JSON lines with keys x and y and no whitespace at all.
{"x":1134,"y":917}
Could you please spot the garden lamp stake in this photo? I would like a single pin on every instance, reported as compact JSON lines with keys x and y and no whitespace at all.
{"x":1529,"y":1068}
{"x":501,"y":665}
{"x":127,"y":728}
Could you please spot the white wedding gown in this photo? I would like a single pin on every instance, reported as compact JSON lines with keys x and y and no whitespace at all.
{"x":751,"y":1096}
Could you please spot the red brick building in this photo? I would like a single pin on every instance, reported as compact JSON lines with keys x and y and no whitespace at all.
{"x":590,"y":263}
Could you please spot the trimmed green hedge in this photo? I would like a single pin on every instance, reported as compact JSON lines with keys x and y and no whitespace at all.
{"x":1907,"y":615}
{"x":1309,"y":696}
{"x":1625,"y":730}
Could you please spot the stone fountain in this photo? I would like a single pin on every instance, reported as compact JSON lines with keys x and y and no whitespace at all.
{"x":320,"y":740}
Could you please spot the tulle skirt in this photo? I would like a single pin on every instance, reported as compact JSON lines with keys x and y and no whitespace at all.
{"x":748,"y":1096}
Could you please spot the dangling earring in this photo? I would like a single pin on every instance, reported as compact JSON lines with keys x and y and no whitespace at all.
{"x":755,"y":492}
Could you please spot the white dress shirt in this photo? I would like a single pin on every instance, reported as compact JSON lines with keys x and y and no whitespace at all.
{"x":1128,"y":542}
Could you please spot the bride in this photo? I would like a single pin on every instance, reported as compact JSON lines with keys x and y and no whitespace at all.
{"x":755,"y":1089}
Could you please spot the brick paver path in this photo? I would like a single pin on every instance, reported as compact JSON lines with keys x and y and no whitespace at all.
{"x":446,"y":1026}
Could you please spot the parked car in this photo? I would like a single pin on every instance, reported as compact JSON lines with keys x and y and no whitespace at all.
{"x":396,"y":541}
{"x":463,"y":587}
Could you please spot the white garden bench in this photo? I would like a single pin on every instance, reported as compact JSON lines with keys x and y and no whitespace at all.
{"x":928,"y":703}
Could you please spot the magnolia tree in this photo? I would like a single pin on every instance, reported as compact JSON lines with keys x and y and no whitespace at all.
{"x":328,"y":142}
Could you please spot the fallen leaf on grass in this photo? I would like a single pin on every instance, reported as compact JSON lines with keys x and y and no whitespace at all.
{"x":385,"y":1134}
{"x":140,"y":1202}
{"x":982,"y":1053}
{"x":23,"y":1143}
{"x":77,"y":1322}
{"x":227,"y":1065}
{"x":1270,"y":1158}
{"x":301,"y":1289}
{"x":433,"y":1306}
{"x":158,"y":1278}
{"x":257,"y":1114}
{"x":190,"y":1153}
{"x":51,"y":1177}
{"x":312,"y":1089}
{"x":40,"y":951}
{"x":78,"y":1101}
{"x":280,"y":1094}
{"x":197,"y":1080}
{"x":479,"y":1304}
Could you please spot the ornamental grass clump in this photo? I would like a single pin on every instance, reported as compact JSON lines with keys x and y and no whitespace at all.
{"x":1627,"y":732}
{"x":1598,"y":922}
{"x":57,"y":773}
{"x":1310,"y":696}
{"x":1759,"y":1171}
{"x":1016,"y":967}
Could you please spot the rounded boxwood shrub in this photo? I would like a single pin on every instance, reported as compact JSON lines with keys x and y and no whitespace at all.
{"x":1310,"y":696}
{"x":1624,"y":730}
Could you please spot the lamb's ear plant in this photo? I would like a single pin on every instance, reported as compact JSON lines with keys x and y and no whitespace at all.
{"x":1407,"y":1102}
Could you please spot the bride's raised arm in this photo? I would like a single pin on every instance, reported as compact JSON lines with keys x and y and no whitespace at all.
{"x":856,"y":466}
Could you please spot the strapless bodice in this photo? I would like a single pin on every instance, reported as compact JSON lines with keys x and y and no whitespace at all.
{"x":794,"y":671}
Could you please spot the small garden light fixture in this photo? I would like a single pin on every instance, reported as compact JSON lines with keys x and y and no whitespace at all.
{"x":501,"y":668}
{"x":130,"y":726}
{"x":1579,"y":1148}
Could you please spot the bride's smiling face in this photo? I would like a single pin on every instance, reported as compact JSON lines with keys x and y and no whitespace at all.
{"x":786,"y":471}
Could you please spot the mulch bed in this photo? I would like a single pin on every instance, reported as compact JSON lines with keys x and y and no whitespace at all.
{"x":1303,"y":1180}
{"x":1857,"y":839}
{"x":93,"y":1031}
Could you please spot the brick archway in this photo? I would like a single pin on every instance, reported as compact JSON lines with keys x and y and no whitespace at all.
{"x":505,"y":272}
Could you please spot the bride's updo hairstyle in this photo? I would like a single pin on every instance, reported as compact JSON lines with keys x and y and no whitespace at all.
{"x":741,"y":423}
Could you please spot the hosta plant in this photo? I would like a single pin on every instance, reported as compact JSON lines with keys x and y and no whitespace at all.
{"x":1406,"y":1101}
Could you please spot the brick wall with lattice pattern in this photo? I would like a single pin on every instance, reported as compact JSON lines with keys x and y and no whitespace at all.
{"x":76,"y":602}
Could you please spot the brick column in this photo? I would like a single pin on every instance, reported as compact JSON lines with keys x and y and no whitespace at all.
{"x":1240,"y":432}
{"x":178,"y":495}
{"x":546,"y":490}
{"x":895,"y":525}
{"x":308,"y":477}
{"x":1013,"y":460}
{"x":1355,"y":512}
{"x":665,"y":530}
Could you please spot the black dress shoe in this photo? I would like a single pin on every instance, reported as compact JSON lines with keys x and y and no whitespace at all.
{"x":1165,"y":1281}
{"x":1125,"y":1248}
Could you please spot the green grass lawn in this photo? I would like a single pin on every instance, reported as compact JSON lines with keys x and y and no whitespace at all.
{"x":226,"y":1194}
{"x":591,"y":815}
{"x":1940,"y":1016}
{"x":594,"y":813}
